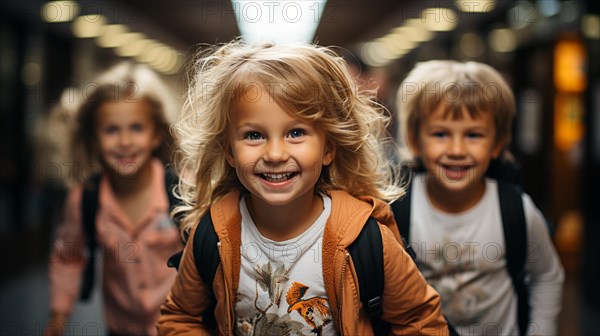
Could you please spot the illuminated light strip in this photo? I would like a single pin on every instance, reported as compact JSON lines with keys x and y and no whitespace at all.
{"x":59,"y":11}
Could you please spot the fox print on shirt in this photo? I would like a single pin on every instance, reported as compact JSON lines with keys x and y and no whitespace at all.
{"x":314,"y":310}
{"x":301,"y":316}
{"x":281,"y":290}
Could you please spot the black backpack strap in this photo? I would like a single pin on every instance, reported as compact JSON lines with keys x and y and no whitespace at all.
{"x":515,"y":239}
{"x":171,"y":180}
{"x":367,"y":255}
{"x":207,"y":259}
{"x":401,"y":210}
{"x":89,"y":207}
{"x":206,"y":256}
{"x":505,"y":170}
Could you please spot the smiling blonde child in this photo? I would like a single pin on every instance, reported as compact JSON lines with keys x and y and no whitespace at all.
{"x":286,"y":155}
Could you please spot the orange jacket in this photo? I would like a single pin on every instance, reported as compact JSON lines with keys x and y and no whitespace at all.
{"x":409,"y":304}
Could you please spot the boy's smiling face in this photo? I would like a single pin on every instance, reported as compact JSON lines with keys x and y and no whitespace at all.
{"x":277,"y":156}
{"x":456,"y":150}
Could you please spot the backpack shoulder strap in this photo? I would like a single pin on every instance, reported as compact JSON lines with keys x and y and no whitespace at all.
{"x":505,"y":170}
{"x":207,"y":259}
{"x":171,"y":180}
{"x":401,"y":210}
{"x":89,"y":207}
{"x":367,"y":255}
{"x":516,"y":242}
{"x":206,"y":251}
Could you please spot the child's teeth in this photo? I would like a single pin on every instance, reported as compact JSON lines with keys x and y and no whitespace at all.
{"x":455,"y":168}
{"x":277,"y":177}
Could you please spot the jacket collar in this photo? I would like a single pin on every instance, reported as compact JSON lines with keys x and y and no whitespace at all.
{"x":227,"y":221}
{"x":348,"y":216}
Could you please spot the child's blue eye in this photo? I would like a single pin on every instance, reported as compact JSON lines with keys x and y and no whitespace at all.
{"x":137,"y":127}
{"x":296,"y":133}
{"x":474,"y":135}
{"x":253,"y":136}
{"x":110,"y":129}
{"x":439,"y":134}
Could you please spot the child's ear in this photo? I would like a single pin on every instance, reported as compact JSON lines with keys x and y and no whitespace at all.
{"x":229,"y":156}
{"x":156,"y":140}
{"x":413,"y":143}
{"x":329,"y":154}
{"x":498,"y":148}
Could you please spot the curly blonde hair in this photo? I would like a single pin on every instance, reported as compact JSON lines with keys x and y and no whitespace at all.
{"x":475,"y":86}
{"x":312,"y":82}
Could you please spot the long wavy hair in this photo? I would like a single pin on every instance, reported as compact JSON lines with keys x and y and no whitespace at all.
{"x":310,"y":81}
{"x":124,"y":82}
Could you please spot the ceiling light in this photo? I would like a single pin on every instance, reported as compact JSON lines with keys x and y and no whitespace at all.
{"x":150,"y":53}
{"x":479,"y":6}
{"x":375,"y":54}
{"x":59,"y":11}
{"x":110,"y":35}
{"x":124,"y":42}
{"x":415,"y":30}
{"x":278,"y":21}
{"x":89,"y":25}
{"x":439,"y":19}
{"x":401,"y":41}
{"x":590,"y":26}
{"x":133,"y":48}
{"x":502,"y":40}
{"x":548,"y":7}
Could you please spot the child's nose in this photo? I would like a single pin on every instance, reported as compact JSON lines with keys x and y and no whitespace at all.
{"x":276,"y":151}
{"x":124,"y":139}
{"x":457,"y":147}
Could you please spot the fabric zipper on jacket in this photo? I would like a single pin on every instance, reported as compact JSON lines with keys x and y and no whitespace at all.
{"x":341,"y":292}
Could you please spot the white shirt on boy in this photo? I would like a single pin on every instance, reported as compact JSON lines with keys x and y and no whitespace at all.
{"x":463,"y":257}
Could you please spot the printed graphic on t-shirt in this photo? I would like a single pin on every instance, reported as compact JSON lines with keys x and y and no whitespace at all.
{"x":313,"y":310}
{"x":452,"y":279}
{"x":305,"y":315}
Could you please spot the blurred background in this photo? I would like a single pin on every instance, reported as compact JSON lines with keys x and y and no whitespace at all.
{"x":548,"y":50}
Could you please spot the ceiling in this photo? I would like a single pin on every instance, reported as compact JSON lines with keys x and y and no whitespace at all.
{"x":342,"y":23}
{"x":183,"y":24}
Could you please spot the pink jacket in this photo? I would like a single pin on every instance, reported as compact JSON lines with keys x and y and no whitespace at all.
{"x":135,"y":277}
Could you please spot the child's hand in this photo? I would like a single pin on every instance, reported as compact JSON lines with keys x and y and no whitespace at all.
{"x":56,"y":325}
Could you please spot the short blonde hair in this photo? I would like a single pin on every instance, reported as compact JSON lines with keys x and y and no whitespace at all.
{"x":310,"y":81}
{"x":475,"y":86}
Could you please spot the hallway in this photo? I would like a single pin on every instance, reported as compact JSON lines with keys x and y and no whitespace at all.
{"x":24,"y":307}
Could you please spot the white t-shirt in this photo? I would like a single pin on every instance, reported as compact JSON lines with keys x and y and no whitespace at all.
{"x":281,"y":289}
{"x":463,"y":257}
